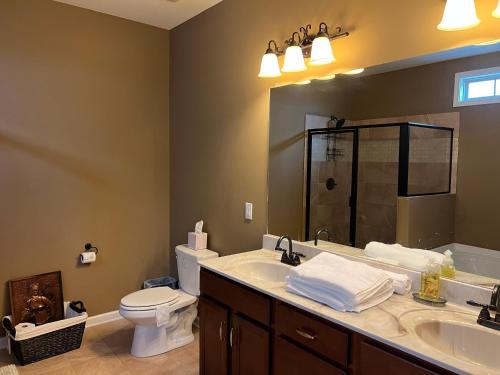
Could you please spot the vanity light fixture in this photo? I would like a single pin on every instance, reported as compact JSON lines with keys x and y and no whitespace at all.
{"x":301,"y":45}
{"x":269,"y":66}
{"x":354,"y":71}
{"x":459,"y":15}
{"x":321,"y":50}
{"x":294,"y":59}
{"x":496,"y":12}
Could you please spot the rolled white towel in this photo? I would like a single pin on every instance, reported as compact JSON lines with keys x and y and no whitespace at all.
{"x":415,"y":259}
{"x":401,"y":282}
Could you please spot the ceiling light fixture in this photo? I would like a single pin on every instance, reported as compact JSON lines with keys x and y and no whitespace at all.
{"x":294,"y":59}
{"x":496,"y":12}
{"x":354,"y":71}
{"x":321,"y":50}
{"x":301,"y":45}
{"x":459,"y":15}
{"x":269,"y":66}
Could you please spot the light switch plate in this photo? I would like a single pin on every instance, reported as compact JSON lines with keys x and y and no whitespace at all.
{"x":248,"y":211}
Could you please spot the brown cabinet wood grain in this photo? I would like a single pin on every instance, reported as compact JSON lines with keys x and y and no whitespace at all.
{"x":238,"y":297}
{"x":250,"y":347}
{"x":312,"y":332}
{"x":291,"y":360}
{"x":214,"y":323}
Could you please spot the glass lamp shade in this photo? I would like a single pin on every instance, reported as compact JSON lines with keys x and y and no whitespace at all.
{"x":294,"y":60}
{"x":269,"y":66}
{"x":459,"y":15}
{"x":496,"y":12}
{"x":321,"y":52}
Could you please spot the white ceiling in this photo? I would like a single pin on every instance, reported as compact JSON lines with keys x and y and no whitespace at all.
{"x":166,"y":14}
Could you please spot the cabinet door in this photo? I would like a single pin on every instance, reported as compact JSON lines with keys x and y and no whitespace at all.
{"x":375,"y":361}
{"x":250,"y":347}
{"x":292,"y":360}
{"x":214,"y":347}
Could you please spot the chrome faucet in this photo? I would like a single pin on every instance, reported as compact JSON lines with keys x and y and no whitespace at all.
{"x":318,"y":233}
{"x":485,"y":318}
{"x":291,"y":258}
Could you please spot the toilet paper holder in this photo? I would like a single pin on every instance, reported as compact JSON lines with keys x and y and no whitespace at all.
{"x":89,"y":247}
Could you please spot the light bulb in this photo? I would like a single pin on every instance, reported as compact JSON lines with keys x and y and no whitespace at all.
{"x":294,"y":60}
{"x":459,"y":15}
{"x":321,"y":51}
{"x":269,"y":67}
{"x":496,"y":12}
{"x":354,"y":71}
{"x":326,"y":78}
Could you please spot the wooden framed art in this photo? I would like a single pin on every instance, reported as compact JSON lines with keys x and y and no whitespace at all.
{"x":37,"y":299}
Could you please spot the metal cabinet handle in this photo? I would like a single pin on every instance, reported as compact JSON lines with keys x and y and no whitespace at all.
{"x":231,"y":337}
{"x":220,"y":331}
{"x":305,"y":334}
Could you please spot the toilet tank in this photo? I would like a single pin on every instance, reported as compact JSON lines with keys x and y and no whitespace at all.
{"x":189,"y":269}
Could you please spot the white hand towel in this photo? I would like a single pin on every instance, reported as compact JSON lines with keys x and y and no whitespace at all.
{"x":163,"y":314}
{"x":401,"y":282}
{"x":340,"y":283}
{"x":415,"y":259}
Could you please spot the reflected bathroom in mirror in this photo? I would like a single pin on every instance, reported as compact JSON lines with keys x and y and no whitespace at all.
{"x":402,"y":153}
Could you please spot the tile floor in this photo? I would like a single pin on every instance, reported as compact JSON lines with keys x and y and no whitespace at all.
{"x":106,"y":350}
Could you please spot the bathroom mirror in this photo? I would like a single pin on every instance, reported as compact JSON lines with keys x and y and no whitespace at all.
{"x":405,"y":152}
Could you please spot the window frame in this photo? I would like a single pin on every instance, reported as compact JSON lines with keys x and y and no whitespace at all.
{"x":464,"y":78}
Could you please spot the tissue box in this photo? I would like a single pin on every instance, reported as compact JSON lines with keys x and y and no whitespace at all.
{"x":197,"y":241}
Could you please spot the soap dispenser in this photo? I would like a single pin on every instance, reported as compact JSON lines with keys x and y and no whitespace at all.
{"x":430,"y":282}
{"x":448,"y":267}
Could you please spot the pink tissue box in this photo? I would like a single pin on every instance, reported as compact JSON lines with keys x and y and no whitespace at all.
{"x":197,"y":241}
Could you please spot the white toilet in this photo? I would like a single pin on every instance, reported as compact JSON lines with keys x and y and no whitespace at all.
{"x":163,"y":317}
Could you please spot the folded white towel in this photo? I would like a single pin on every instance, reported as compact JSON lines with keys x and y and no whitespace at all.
{"x":415,"y":259}
{"x":340,"y":283}
{"x":401,"y":282}
{"x":163,"y":314}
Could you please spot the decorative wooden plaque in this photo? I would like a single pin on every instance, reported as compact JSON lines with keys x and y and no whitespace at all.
{"x":37,"y":299}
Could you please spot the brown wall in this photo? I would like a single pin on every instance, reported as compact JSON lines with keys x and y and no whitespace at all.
{"x":84,"y":149}
{"x":220,"y":109}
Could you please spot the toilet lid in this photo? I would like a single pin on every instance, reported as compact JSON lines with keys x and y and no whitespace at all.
{"x":150,"y":297}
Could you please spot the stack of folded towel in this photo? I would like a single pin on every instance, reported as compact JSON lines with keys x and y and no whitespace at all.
{"x":340,"y":283}
{"x":396,"y":254}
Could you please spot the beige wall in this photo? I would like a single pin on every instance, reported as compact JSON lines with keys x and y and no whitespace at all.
{"x":84,"y":149}
{"x":220,"y":109}
{"x":426,"y":222}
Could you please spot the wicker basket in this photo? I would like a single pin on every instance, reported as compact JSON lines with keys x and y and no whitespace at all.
{"x":50,"y":339}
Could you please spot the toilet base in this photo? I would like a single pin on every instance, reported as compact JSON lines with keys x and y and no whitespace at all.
{"x":150,"y":340}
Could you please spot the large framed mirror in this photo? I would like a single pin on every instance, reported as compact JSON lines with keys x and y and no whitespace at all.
{"x":403,"y":153}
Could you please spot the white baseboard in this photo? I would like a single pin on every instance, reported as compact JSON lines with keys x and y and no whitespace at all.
{"x":103,"y":318}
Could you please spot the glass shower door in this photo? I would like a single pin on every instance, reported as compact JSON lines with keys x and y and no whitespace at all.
{"x":331,"y":163}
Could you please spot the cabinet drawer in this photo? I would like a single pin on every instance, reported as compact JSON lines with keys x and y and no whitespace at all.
{"x":375,"y":361}
{"x":239,"y":298}
{"x":312,"y":333}
{"x":291,"y":360}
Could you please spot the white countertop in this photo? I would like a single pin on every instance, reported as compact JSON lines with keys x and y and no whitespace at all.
{"x":381,"y":323}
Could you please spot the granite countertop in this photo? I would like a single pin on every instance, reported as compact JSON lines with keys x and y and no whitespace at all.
{"x":383,"y":323}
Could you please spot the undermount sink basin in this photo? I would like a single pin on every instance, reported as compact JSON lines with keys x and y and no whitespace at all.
{"x":457,"y":335}
{"x":263,"y":270}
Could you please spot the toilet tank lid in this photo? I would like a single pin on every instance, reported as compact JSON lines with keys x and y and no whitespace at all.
{"x":150,"y":297}
{"x":195,"y":255}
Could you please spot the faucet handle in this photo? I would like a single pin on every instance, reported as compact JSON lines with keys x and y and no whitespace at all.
{"x":485,"y":313}
{"x":299,"y":254}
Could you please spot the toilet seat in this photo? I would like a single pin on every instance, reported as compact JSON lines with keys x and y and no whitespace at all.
{"x":150,"y":299}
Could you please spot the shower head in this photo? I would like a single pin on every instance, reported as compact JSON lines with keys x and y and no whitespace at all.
{"x":340,"y":122}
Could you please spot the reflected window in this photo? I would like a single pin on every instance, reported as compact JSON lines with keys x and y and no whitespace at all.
{"x":477,"y":87}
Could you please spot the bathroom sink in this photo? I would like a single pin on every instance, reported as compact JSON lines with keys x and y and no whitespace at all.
{"x":455,"y":334}
{"x":263,"y":270}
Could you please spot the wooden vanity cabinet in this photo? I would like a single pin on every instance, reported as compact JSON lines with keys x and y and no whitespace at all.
{"x":245,"y":332}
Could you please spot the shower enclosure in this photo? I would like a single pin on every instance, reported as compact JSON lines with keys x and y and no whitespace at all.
{"x":354,"y":176}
